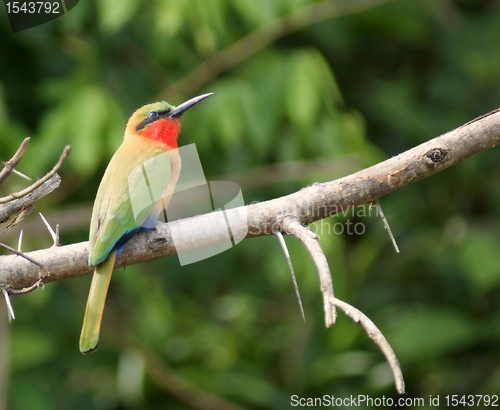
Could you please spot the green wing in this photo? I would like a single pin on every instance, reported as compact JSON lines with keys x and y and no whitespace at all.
{"x":112,"y":219}
{"x":116,"y":217}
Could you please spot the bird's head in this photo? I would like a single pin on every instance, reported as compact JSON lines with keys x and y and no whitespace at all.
{"x":160,"y":121}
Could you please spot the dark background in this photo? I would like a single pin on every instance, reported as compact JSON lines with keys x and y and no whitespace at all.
{"x":316,"y":102}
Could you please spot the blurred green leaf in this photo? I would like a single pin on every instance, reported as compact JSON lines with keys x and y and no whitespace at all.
{"x":303,"y":98}
{"x":113,"y":17}
{"x":30,"y":348}
{"x":480,"y":260}
{"x":430,"y":332}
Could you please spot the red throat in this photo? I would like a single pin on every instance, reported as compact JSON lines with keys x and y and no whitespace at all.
{"x":165,"y":131}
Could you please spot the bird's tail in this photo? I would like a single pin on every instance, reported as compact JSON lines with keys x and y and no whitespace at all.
{"x":89,"y":337}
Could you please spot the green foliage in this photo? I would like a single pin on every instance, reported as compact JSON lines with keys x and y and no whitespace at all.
{"x":366,"y":86}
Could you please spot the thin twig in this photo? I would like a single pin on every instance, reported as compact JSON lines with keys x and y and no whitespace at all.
{"x":21,"y":216}
{"x":16,"y":195}
{"x":376,"y":335}
{"x":386,"y":224}
{"x":292,"y":227}
{"x":10,"y":165}
{"x":27,"y":289}
{"x":290,"y":266}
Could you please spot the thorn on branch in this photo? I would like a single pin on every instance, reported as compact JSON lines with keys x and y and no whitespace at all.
{"x":10,"y":311}
{"x":20,"y":242}
{"x":55,"y":235}
{"x":7,"y":292}
{"x":15,"y":171}
{"x":290,"y":266}
{"x":386,"y":224}
{"x":19,"y":253}
{"x":9,"y":166}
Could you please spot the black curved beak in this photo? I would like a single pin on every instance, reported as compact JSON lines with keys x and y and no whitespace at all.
{"x":182,"y":108}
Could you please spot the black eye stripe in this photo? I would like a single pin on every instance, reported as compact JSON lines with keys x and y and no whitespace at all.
{"x":151,"y":117}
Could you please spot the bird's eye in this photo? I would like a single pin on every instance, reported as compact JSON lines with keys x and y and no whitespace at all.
{"x":152,"y":114}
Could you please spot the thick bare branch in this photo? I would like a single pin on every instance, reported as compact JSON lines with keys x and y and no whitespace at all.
{"x":307,"y":205}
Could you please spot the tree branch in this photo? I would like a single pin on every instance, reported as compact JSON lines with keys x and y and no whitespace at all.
{"x":41,"y":181}
{"x":17,"y":205}
{"x":307,"y":205}
{"x":376,"y":335}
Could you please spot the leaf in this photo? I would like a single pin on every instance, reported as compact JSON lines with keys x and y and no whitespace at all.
{"x":30,"y":348}
{"x":303,"y":95}
{"x":480,"y":260}
{"x":114,"y":15}
{"x":430,"y":331}
{"x":86,"y":122}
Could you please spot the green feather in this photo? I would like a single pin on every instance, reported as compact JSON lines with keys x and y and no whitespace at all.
{"x":113,"y":215}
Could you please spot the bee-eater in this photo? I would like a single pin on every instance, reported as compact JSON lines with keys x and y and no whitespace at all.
{"x":151,"y":130}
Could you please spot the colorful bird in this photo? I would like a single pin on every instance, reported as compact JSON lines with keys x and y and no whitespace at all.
{"x":152,"y":130}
